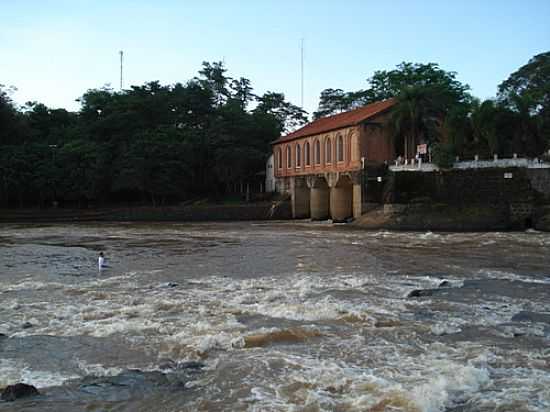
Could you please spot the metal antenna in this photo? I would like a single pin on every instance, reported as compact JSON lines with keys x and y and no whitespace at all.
{"x":121,"y":54}
{"x":302,"y":71}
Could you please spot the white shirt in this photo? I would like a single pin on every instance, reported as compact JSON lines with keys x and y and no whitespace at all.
{"x":101,"y":262}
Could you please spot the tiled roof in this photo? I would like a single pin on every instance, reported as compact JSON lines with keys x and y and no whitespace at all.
{"x":338,"y":121}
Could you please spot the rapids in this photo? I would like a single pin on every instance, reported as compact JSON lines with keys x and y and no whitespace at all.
{"x":274,"y":317}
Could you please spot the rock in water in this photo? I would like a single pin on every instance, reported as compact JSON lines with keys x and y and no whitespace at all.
{"x":169,"y":285}
{"x":19,"y":390}
{"x":526,"y":316}
{"x":193,"y":365}
{"x":418,"y":293}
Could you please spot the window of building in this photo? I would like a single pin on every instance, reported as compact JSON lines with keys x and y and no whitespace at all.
{"x":298,"y":157}
{"x":279,"y":158}
{"x":340,"y":148}
{"x":307,"y":154}
{"x":317,"y":152}
{"x":328,"y":151}
{"x":288,"y":157}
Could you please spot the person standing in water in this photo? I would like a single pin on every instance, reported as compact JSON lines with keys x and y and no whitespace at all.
{"x":101,"y":261}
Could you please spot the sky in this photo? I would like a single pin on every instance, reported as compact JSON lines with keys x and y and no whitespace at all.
{"x":52,"y":51}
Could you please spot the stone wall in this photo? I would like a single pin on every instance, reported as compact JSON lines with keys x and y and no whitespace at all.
{"x":540,"y":182}
{"x":518,"y":197}
{"x":471,"y":186}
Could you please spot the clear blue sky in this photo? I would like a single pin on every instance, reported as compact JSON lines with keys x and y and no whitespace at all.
{"x":53,"y":51}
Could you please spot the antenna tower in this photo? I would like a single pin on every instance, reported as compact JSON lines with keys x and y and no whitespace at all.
{"x":121,"y":55}
{"x":302,"y":71}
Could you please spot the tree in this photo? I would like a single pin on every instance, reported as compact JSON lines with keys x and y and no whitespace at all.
{"x":242,"y":92}
{"x":443,"y":155}
{"x":386,"y":84}
{"x":12,"y":128}
{"x":399,"y":83}
{"x":287,"y":115}
{"x":531,"y":83}
{"x":48,"y":126}
{"x":527,"y":93}
{"x":80,"y":160}
{"x":162,"y":142}
{"x":212,"y":77}
{"x":416,"y":117}
{"x":457,"y":130}
{"x":331,"y":101}
{"x":334,"y":101}
{"x":484,"y":131}
{"x":153,"y":165}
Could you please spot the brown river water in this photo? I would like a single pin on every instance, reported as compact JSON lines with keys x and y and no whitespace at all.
{"x":274,"y":316}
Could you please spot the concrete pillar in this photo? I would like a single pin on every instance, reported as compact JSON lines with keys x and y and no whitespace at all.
{"x":299,"y":198}
{"x":341,"y":203}
{"x":357,"y":201}
{"x":319,"y":202}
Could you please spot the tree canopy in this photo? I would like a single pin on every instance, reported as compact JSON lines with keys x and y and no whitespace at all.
{"x":434,"y":107}
{"x":152,"y":142}
{"x":162,"y":143}
{"x":531,"y":84}
{"x":385,"y":84}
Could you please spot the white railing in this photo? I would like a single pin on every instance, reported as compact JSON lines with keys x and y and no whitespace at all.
{"x":414,"y":167}
{"x":474,"y":164}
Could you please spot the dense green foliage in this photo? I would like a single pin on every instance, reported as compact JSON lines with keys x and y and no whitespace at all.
{"x":208,"y":136}
{"x":433,"y":107}
{"x":386,"y":84}
{"x":153,"y":142}
{"x":443,"y":155}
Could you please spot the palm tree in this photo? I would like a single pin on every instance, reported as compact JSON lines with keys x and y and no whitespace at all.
{"x":483,"y":120}
{"x":457,"y":128}
{"x":417,"y":117}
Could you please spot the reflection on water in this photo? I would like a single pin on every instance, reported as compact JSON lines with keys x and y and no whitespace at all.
{"x":274,"y":317}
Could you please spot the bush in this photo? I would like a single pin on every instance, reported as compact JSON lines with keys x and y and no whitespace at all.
{"x":443,"y":155}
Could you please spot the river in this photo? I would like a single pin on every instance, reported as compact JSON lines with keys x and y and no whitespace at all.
{"x":274,"y":316}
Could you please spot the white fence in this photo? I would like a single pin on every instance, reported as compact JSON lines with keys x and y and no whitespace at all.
{"x":474,"y":164}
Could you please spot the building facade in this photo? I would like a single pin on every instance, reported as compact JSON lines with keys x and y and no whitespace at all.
{"x":320,"y":165}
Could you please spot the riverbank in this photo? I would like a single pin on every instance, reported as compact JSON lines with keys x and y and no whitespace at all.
{"x":397,"y":217}
{"x":444,"y":217}
{"x":187,"y":213}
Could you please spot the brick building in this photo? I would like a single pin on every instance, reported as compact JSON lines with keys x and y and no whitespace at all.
{"x":320,"y":165}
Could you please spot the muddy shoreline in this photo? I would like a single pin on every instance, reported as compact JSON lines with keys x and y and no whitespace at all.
{"x":396,"y":217}
{"x":188,"y":213}
{"x":450,"y":218}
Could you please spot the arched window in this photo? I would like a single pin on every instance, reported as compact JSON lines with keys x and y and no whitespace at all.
{"x":279,"y":158}
{"x":288,"y":157}
{"x":298,"y":157}
{"x":340,"y":149}
{"x":307,"y":154}
{"x":328,"y":151}
{"x":317,"y":152}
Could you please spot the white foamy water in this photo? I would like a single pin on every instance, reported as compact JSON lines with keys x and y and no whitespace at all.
{"x":284,"y":317}
{"x":13,"y":371}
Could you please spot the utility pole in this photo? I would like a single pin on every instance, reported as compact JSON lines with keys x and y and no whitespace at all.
{"x":302,"y":71}
{"x":121,"y":54}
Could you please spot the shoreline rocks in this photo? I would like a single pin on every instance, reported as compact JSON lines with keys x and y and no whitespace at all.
{"x":17,"y":391}
{"x":420,"y":293}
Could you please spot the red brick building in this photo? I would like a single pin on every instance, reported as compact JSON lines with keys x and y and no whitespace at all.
{"x":320,"y":164}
